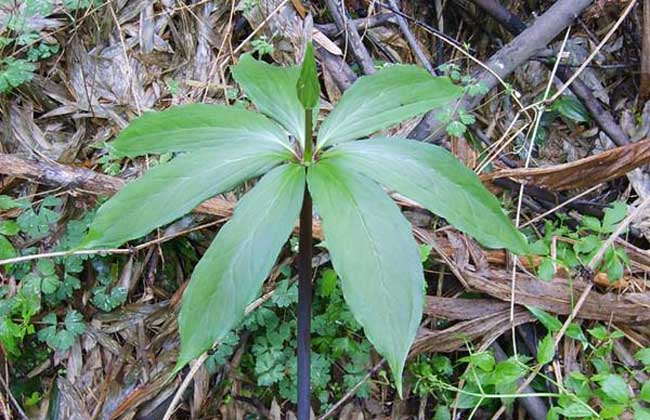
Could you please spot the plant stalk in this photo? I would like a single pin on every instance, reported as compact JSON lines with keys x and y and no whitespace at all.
{"x":304,"y":287}
{"x":304,"y":308}
{"x":307,"y":157}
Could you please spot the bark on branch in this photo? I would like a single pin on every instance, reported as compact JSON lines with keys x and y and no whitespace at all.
{"x":48,"y":173}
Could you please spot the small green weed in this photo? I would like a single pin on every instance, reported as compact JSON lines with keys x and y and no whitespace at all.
{"x":576,"y":248}
{"x":21,"y":33}
{"x":340,"y":353}
{"x":457,"y":120}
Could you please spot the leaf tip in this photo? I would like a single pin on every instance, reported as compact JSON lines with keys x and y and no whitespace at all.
{"x":397,"y":367}
{"x":180,"y":363}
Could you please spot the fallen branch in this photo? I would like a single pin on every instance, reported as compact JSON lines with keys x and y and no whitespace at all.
{"x":379,"y":19}
{"x":462,"y":309}
{"x":554,"y":296}
{"x":457,"y":336}
{"x":345,"y":24}
{"x":42,"y":172}
{"x":507,"y":59}
{"x":413,"y":42}
{"x":582,"y":173}
{"x":558,"y":296}
{"x":602,"y":117}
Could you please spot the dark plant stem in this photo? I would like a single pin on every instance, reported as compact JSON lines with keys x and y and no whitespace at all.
{"x":304,"y":285}
{"x":304,"y":308}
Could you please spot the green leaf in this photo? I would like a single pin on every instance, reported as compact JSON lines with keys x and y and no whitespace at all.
{"x":308,"y":86}
{"x":591,"y":223}
{"x":640,"y":412}
{"x":7,"y":203}
{"x":577,"y":382}
{"x":268,"y":370}
{"x":546,"y":350}
{"x":49,"y":319}
{"x":374,"y":253}
{"x":50,"y":284}
{"x":599,"y":332}
{"x":7,"y":250}
{"x":615,"y":268}
{"x":442,"y":413}
{"x":615,"y":387}
{"x":643,"y":356}
{"x":9,"y":227}
{"x":14,"y":72}
{"x":74,"y":322}
{"x":46,"y":267}
{"x":171,"y":190}
{"x":383,"y":99}
{"x":62,"y":340}
{"x":273,"y":91}
{"x":569,"y":107}
{"x":46,"y":334}
{"x":553,"y":414}
{"x":645,"y":392}
{"x":37,"y":225}
{"x":425,"y":252}
{"x":551,"y":323}
{"x":433,"y":177}
{"x":613,"y":216}
{"x":198,"y":127}
{"x":327,"y":283}
{"x":539,"y":247}
{"x":456,"y":129}
{"x":232,"y":270}
{"x":285,"y":294}
{"x":587,"y":244}
{"x":507,"y":371}
{"x":483,"y":360}
{"x":108,"y":298}
{"x":610,"y":411}
{"x":545,"y":271}
{"x":575,"y":410}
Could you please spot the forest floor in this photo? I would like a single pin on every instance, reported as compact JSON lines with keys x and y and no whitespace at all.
{"x":556,"y":122}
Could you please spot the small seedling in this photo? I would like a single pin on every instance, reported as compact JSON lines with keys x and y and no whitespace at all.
{"x":581,"y":245}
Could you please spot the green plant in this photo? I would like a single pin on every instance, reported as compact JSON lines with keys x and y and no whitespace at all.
{"x":61,"y":339}
{"x":21,"y":29}
{"x":8,"y":228}
{"x":457,"y":120}
{"x":428,"y":373}
{"x":608,"y":387}
{"x":16,"y":313}
{"x":570,"y":109}
{"x":262,"y":46}
{"x":45,"y":284}
{"x":369,"y":240}
{"x":14,"y":72}
{"x":582,"y":244}
{"x":566,"y":108}
{"x":340,"y":354}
